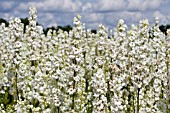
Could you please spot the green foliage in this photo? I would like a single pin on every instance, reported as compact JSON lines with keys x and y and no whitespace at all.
{"x":1,"y":68}
{"x":6,"y":98}
{"x":4,"y":21}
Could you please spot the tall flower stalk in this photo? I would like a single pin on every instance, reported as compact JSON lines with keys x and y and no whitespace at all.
{"x":82,"y":72}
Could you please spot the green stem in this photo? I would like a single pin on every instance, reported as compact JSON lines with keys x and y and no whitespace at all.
{"x":138,"y":100}
{"x":108,"y":95}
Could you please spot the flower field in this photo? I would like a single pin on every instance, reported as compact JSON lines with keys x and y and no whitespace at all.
{"x":122,"y":70}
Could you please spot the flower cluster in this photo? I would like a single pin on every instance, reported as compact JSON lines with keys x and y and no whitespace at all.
{"x":118,"y":71}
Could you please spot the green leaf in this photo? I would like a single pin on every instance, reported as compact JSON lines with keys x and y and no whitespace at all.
{"x":1,"y":68}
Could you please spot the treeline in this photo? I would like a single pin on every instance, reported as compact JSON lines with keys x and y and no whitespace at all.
{"x":25,"y":21}
{"x":164,"y":28}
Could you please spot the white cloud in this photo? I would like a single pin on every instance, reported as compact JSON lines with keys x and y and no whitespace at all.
{"x":163,"y":18}
{"x":143,"y":5}
{"x":111,"y":19}
{"x":5,"y":6}
{"x":88,"y":7}
{"x":53,"y":5}
{"x":93,"y":12}
{"x":93,"y":17}
{"x":158,"y":14}
{"x":59,"y":5}
{"x":23,"y":7}
{"x":47,"y":19}
{"x":94,"y":25}
{"x":109,"y":5}
{"x":52,"y":12}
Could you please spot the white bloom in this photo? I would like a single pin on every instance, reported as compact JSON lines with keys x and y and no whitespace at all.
{"x":168,"y":32}
{"x":71,"y":91}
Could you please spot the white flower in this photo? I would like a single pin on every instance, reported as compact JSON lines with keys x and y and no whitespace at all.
{"x":48,"y":110}
{"x":77,"y":78}
{"x":71,"y":91}
{"x":168,"y":32}
{"x":2,"y":92}
{"x":132,"y":89}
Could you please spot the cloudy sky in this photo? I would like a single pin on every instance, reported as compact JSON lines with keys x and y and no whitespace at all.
{"x":93,"y":12}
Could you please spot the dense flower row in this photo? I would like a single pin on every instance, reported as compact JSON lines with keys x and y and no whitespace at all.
{"x":83,"y":72}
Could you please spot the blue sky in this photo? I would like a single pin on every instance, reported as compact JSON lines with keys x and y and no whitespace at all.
{"x":93,"y":12}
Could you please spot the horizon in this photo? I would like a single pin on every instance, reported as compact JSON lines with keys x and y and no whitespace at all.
{"x":105,"y":12}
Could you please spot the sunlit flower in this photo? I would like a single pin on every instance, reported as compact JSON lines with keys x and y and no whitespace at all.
{"x":80,"y":71}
